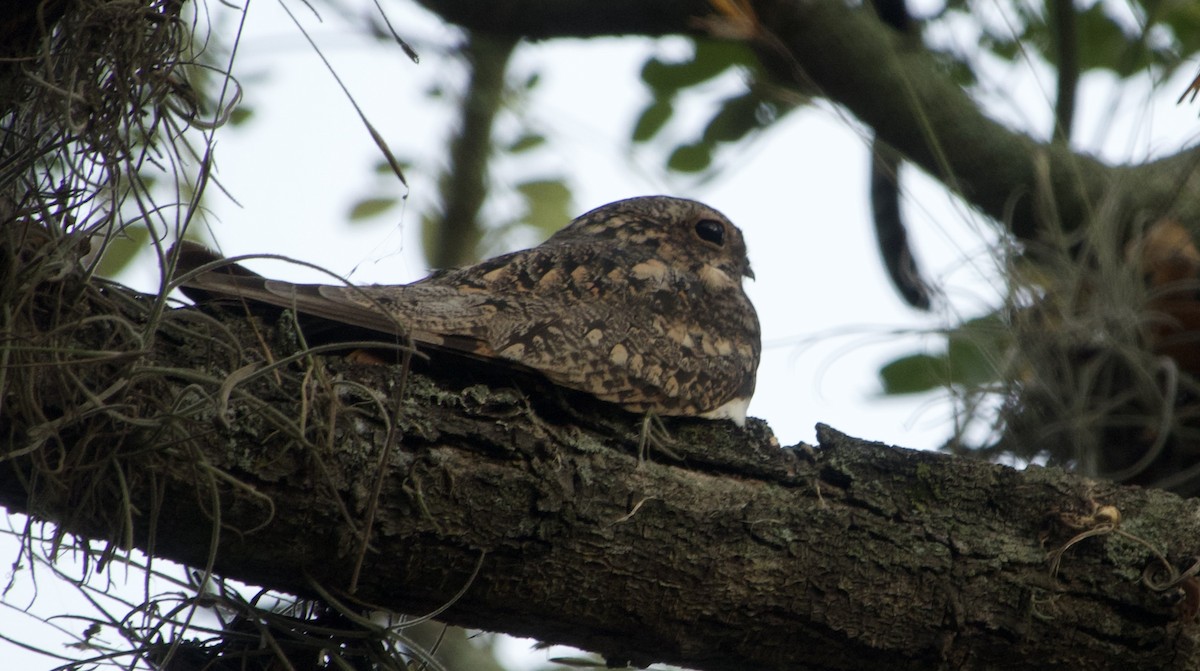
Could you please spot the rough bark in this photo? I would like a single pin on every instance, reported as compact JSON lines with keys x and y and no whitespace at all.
{"x":176,"y":434}
{"x":723,"y":552}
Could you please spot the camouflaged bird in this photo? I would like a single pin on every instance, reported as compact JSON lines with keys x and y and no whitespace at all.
{"x":638,"y":302}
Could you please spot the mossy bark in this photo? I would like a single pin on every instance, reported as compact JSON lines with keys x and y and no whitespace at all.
{"x":720,"y":550}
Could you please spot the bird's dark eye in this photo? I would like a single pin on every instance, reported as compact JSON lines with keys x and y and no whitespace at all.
{"x":711,"y":231}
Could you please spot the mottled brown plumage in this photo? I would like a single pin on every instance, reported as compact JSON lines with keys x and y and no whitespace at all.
{"x":638,"y":302}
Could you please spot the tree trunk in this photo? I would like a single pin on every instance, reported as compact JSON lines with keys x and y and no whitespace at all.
{"x":720,"y":551}
{"x":218,"y":441}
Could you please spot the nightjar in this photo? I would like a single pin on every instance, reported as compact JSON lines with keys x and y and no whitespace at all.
{"x":638,"y":302}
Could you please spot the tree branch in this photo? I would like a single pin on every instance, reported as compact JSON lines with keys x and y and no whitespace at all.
{"x":725,"y":552}
{"x":453,"y":238}
{"x":218,"y":440}
{"x":541,"y":19}
{"x":901,"y":91}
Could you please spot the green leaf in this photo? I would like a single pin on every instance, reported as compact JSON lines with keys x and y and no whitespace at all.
{"x":709,"y":59}
{"x":370,"y":207}
{"x":1183,"y":17}
{"x":973,"y":351}
{"x":547,"y":204}
{"x":121,"y":250}
{"x":953,"y":67}
{"x":240,"y":115}
{"x":691,"y":158}
{"x":1104,"y":45}
{"x":914,"y":374}
{"x":1001,"y":45}
{"x":971,"y":361}
{"x":737,"y":117}
{"x":652,"y":120}
{"x":717,"y":55}
{"x":526,"y":142}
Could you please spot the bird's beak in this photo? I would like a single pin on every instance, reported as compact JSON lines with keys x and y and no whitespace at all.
{"x":748,"y":271}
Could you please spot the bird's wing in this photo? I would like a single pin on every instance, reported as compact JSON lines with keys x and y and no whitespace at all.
{"x":640,"y":346}
{"x":429,"y":314}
